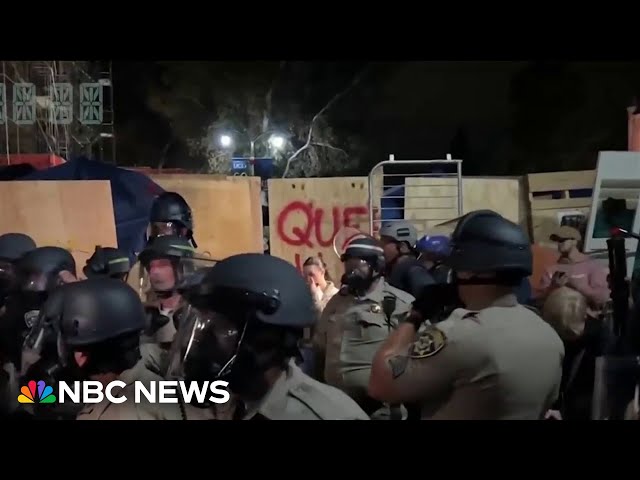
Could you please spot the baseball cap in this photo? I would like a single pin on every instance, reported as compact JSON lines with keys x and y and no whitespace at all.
{"x":565,"y":232}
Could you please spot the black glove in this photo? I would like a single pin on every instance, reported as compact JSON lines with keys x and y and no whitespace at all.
{"x":155,"y":320}
{"x":435,"y":299}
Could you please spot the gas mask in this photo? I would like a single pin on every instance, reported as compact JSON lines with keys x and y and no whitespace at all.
{"x":358,"y":276}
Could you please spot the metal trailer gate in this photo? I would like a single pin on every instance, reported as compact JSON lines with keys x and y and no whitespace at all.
{"x":424,"y":205}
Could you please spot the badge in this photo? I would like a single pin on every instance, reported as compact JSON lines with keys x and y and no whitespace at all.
{"x":30,"y":317}
{"x":430,"y":342}
{"x":375,"y":308}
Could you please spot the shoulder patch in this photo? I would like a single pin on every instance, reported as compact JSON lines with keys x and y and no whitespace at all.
{"x":430,"y":342}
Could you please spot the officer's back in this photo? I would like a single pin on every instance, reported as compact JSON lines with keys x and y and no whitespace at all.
{"x":510,"y":355}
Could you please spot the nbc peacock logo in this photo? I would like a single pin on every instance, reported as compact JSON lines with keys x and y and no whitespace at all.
{"x":44,"y":393}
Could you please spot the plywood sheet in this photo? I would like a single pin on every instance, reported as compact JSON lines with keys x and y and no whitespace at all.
{"x":544,"y":210}
{"x":76,"y":215}
{"x":227,"y":213}
{"x":433,"y":201}
{"x":306,"y":214}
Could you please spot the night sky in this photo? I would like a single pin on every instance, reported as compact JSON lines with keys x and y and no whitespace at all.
{"x":499,"y":117}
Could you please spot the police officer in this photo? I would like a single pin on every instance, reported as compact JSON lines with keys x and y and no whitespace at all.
{"x":494,"y":359}
{"x":99,"y":339}
{"x":170,"y":215}
{"x":12,"y":247}
{"x":433,"y":249}
{"x":252,"y":312}
{"x":38,"y":272}
{"x":167,"y":261}
{"x":356,"y":322}
{"x":403,"y":270}
{"x":107,"y":262}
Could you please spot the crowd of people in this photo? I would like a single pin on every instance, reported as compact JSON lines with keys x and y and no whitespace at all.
{"x":438,"y":327}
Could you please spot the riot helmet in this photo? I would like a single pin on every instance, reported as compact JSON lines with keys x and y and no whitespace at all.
{"x":434,"y":246}
{"x":38,"y":273}
{"x":12,"y":247}
{"x":168,"y":260}
{"x":363,"y":261}
{"x":485,"y":242}
{"x":170,"y":215}
{"x":102,"y":318}
{"x":107,"y":262}
{"x":398,"y":239}
{"x":249,"y":312}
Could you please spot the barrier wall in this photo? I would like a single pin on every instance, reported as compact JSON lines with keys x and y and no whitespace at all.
{"x":306,"y":214}
{"x":227,"y":212}
{"x":76,"y":215}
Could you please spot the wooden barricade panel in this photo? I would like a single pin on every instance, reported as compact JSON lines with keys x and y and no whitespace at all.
{"x":227,"y":212}
{"x":76,"y":215}
{"x":306,"y":214}
{"x":433,"y":201}
{"x":546,"y":210}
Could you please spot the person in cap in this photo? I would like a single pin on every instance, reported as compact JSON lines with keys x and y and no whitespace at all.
{"x":107,"y":262}
{"x":170,"y":215}
{"x":355,"y":322}
{"x":168,"y":260}
{"x":575,"y":270}
{"x":476,"y":364}
{"x":252,"y":310}
{"x":100,"y":321}
{"x":403,"y":269}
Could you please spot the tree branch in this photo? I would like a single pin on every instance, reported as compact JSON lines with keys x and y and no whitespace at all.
{"x":333,"y":100}
{"x":326,"y":145}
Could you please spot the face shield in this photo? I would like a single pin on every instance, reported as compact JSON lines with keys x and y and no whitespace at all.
{"x":163,"y":274}
{"x":358,"y":275}
{"x":7,"y":279}
{"x":159,"y":229}
{"x":205,"y":347}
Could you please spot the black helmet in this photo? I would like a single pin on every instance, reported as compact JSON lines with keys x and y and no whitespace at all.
{"x":107,"y":262}
{"x":366,"y":248}
{"x":483,"y":241}
{"x":172,"y":207}
{"x":166,"y":246}
{"x":38,"y":269}
{"x":99,"y":309}
{"x":250,"y":313}
{"x":270,"y":286}
{"x":15,"y":245}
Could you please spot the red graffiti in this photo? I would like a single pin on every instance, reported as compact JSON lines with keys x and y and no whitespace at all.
{"x":311,"y":233}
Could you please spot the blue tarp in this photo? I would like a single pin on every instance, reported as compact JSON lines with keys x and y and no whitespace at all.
{"x":132,"y":194}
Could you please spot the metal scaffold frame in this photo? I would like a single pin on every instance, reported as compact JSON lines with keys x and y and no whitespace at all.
{"x":46,"y":134}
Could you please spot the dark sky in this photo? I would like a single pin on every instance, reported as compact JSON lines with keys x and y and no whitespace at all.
{"x":504,"y":117}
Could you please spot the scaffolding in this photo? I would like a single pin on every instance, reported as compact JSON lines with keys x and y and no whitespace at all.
{"x":55,"y":99}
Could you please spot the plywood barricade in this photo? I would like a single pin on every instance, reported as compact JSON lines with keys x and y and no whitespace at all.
{"x":430,"y":202}
{"x":306,"y":214}
{"x":227,"y":212}
{"x":545,"y":210}
{"x":76,"y":215}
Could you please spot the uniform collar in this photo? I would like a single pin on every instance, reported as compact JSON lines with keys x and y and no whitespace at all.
{"x":273,"y":405}
{"x":376,"y":293}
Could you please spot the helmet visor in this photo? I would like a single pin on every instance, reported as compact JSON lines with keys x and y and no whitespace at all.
{"x":159,"y":229}
{"x":205,"y":346}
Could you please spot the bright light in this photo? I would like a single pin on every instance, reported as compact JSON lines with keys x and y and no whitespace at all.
{"x":225,"y":141}
{"x":277,"y":142}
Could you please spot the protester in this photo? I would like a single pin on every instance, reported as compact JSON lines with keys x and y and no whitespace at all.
{"x":319,"y":280}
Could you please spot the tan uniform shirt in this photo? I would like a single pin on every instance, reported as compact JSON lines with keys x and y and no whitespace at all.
{"x":501,"y":363}
{"x":296,"y":396}
{"x":351,"y":330}
{"x":130,"y":410}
